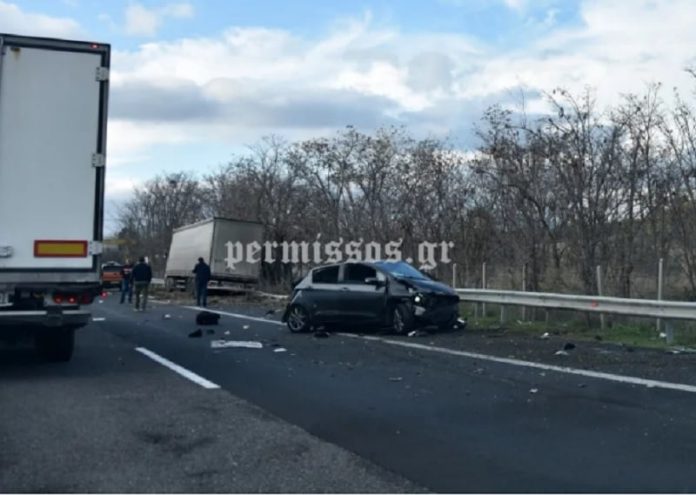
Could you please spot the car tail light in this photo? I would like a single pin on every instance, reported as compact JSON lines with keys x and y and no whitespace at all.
{"x":86,"y":298}
{"x":72,"y":299}
{"x":58,"y":298}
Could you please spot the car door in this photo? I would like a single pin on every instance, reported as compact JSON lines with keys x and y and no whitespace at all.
{"x":359,"y":300}
{"x":322,"y":295}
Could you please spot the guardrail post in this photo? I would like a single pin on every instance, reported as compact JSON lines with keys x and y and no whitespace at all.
{"x":670,"y":332}
{"x":524,"y":289}
{"x":660,"y":274}
{"x":483,"y":284}
{"x":502,"y":315}
{"x":599,"y":293}
{"x":454,"y":275}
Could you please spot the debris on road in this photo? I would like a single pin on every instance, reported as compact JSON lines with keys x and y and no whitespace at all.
{"x":417,"y":333}
{"x":227,"y":332}
{"x":270,"y":312}
{"x":461,"y":324}
{"x":395,"y":379}
{"x":197,"y":334}
{"x":321,"y":334}
{"x":561,"y":353}
{"x":99,"y":319}
{"x":245,"y":327}
{"x":166,"y":317}
{"x":533,"y":390}
{"x":248,"y":344}
{"x":569,"y":346}
{"x":663,"y":335}
{"x":207,"y":318}
{"x":280,"y":349}
{"x":545,"y":335}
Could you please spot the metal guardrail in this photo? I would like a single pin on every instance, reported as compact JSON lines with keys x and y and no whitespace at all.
{"x":650,"y":308}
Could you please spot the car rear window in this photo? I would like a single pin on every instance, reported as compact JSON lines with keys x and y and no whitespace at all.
{"x":111,"y":269}
{"x":356,"y":274}
{"x":328,"y":275}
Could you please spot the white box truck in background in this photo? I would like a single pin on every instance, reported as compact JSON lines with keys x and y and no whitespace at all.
{"x":208,"y":240}
{"x":53,"y":113}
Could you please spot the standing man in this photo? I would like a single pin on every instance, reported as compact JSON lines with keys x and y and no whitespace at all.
{"x":126,"y":282}
{"x":202,"y":272}
{"x":141,"y":277}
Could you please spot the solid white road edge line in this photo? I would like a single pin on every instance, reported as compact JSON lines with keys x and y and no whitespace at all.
{"x":235,"y":315}
{"x":178,"y":369}
{"x":530,"y":364}
{"x":485,"y":357}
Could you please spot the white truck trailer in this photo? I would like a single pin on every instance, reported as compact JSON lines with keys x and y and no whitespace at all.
{"x":53,"y":113}
{"x":208,"y":240}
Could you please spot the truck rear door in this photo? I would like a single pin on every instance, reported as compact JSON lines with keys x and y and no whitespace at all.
{"x":52,"y":144}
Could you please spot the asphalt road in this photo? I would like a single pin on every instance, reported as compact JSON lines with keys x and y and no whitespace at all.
{"x":342,"y":413}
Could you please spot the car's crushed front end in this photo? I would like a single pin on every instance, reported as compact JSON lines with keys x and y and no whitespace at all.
{"x":430,"y":308}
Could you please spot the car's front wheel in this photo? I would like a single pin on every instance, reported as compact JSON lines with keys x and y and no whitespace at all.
{"x":298,"y":319}
{"x":402,"y":320}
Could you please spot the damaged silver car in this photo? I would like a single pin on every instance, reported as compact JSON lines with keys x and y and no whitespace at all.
{"x":390,"y":294}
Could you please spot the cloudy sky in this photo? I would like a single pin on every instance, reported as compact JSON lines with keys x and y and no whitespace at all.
{"x":194,"y":82}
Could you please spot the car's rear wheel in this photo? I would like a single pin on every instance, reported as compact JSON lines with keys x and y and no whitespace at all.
{"x":402,"y":320}
{"x":56,"y":344}
{"x":298,"y":319}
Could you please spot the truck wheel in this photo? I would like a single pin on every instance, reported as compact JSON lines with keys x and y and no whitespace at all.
{"x":56,"y":345}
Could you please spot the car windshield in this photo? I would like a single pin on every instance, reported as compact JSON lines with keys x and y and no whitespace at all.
{"x":401,"y":269}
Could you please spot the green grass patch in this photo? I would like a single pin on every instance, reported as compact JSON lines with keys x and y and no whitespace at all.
{"x":578,"y":326}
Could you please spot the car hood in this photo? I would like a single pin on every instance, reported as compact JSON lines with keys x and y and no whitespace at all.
{"x":429,"y":286}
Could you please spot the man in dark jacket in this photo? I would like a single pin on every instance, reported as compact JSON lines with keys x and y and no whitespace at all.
{"x":202,"y":272}
{"x":141,"y":276}
{"x":126,"y":282}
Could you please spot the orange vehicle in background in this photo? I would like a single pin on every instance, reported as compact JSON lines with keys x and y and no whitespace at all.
{"x":111,"y":274}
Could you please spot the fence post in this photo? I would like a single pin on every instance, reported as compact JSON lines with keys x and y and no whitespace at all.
{"x":599,"y":293}
{"x":669,"y":330}
{"x":483,"y":283}
{"x":454,"y":275}
{"x":660,"y":274}
{"x":524,"y":289}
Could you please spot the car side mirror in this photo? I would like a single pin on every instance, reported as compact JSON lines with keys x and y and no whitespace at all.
{"x":375,"y":281}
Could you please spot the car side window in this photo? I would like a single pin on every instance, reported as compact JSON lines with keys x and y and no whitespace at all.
{"x":356,"y":274}
{"x":328,"y":275}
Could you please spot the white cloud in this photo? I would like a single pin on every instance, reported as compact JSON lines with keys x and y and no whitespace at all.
{"x":14,"y":20}
{"x":144,"y":21}
{"x":517,"y":5}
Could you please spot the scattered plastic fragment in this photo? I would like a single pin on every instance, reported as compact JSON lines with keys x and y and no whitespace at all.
{"x":533,"y":390}
{"x":561,"y":353}
{"x":248,"y":344}
{"x":245,"y":327}
{"x":99,"y":319}
{"x":280,"y":349}
{"x":166,"y":317}
{"x":395,"y":379}
{"x":545,"y":335}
